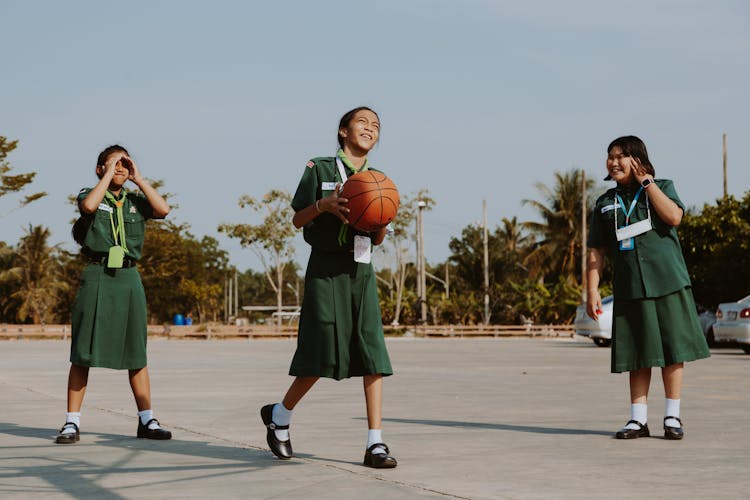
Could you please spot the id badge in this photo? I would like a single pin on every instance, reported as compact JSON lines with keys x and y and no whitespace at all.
{"x":116,"y":257}
{"x":627,"y":244}
{"x":633,"y":230}
{"x":362,"y":249}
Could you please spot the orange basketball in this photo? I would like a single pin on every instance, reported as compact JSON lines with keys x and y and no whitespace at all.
{"x":373,"y":200}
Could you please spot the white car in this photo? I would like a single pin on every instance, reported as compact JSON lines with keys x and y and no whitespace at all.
{"x":600,"y":330}
{"x":733,"y":323}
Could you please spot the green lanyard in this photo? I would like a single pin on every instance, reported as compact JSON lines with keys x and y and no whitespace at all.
{"x":117,"y":232}
{"x":340,"y":155}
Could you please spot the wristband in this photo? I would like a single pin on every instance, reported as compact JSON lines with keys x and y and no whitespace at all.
{"x":317,"y":206}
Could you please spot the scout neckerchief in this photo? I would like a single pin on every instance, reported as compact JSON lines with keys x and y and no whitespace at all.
{"x":118,"y":233}
{"x":342,"y":160}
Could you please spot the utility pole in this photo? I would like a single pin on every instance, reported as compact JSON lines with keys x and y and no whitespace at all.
{"x":486,"y":265}
{"x":421,"y":279}
{"x":584,"y":249}
{"x":226,"y":300}
{"x":724,"y":161}
{"x":236,"y":296}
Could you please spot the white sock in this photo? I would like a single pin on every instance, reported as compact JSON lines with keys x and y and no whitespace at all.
{"x":147,"y":415}
{"x":639,"y":413}
{"x":72,"y":416}
{"x":281,"y":416}
{"x":375,"y":436}
{"x":672,"y":409}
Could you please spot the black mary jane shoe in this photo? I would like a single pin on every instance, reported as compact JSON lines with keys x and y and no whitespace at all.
{"x":379,"y":460}
{"x":641,"y":432}
{"x":68,"y":437}
{"x":158,"y":433}
{"x":282,"y":449}
{"x":674,"y":433}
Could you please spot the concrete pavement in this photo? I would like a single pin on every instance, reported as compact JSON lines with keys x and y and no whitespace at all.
{"x":479,"y":418}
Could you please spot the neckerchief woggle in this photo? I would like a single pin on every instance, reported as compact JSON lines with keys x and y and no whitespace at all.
{"x":342,"y":160}
{"x":118,"y":233}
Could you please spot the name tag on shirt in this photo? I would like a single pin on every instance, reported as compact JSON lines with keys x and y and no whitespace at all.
{"x":105,"y":207}
{"x":328,"y":186}
{"x":607,"y":208}
{"x":362,"y":248}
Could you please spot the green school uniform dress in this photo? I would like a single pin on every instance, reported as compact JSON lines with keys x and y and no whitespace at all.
{"x":340,"y":331}
{"x":109,"y":315}
{"x":655,"y":322}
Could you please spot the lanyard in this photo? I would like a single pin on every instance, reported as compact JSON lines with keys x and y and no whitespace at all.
{"x":632,"y":206}
{"x":342,"y":172}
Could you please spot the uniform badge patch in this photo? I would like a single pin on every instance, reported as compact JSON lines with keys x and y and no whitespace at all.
{"x":132,"y":209}
{"x":310,"y":164}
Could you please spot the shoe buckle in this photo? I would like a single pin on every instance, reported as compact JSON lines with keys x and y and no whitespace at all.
{"x":272,"y":426}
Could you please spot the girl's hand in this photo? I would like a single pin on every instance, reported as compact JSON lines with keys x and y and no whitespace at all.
{"x":135,"y":174}
{"x":111,"y":164}
{"x":639,"y":172}
{"x":594,"y":304}
{"x":334,"y":204}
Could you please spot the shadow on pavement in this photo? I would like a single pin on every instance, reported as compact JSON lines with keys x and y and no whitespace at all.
{"x":501,"y":427}
{"x":77,"y":471}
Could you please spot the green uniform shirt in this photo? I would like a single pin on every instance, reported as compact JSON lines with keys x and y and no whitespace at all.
{"x":655,"y":267}
{"x":318,"y":181}
{"x":99,"y":238}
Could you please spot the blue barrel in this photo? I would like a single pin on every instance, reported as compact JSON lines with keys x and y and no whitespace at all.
{"x":188,"y":321}
{"x":178,"y":320}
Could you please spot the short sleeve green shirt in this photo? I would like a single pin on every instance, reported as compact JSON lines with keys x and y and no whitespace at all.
{"x":99,"y":238}
{"x":318,"y":181}
{"x":655,"y":267}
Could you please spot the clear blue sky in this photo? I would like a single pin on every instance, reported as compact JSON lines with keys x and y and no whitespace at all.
{"x":478,"y":99}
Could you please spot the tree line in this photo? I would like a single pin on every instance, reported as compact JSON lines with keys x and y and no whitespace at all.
{"x":534,"y":267}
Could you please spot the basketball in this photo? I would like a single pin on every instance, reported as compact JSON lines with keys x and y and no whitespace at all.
{"x":373,"y":200}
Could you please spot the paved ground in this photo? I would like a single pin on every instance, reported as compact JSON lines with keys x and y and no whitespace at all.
{"x":484,"y":418}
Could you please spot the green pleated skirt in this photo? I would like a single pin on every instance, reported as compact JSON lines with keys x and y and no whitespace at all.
{"x":341,"y":330}
{"x":658,"y":331}
{"x":109,"y":319}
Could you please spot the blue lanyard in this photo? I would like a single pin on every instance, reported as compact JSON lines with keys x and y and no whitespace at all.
{"x":632,"y":205}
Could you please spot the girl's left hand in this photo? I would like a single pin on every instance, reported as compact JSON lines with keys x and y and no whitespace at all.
{"x":639,"y":172}
{"x":135,"y":174}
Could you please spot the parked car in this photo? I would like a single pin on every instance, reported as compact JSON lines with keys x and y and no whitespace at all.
{"x":600,"y":331}
{"x":733,"y":323}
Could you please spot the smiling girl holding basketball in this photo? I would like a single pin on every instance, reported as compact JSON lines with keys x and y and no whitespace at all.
{"x":340,"y":331}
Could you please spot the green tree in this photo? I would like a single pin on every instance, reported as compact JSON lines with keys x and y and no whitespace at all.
{"x":271,"y":239}
{"x":14,"y":183}
{"x":716,"y":246}
{"x":396,"y":249}
{"x":507,"y":245}
{"x":180,"y":273}
{"x":35,"y":277}
{"x":557,"y":251}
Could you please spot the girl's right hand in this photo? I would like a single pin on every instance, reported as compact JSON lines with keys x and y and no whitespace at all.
{"x":594,"y":304}
{"x":111,"y":163}
{"x":335,"y":204}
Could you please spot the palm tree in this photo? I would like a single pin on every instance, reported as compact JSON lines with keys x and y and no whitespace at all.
{"x":557,"y":251}
{"x":34,"y":277}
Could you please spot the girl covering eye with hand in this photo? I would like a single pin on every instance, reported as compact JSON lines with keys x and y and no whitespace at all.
{"x":109,"y":314}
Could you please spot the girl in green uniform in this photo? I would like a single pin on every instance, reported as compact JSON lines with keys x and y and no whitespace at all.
{"x":109,"y":314}
{"x":340,"y":331}
{"x":655,"y":321}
